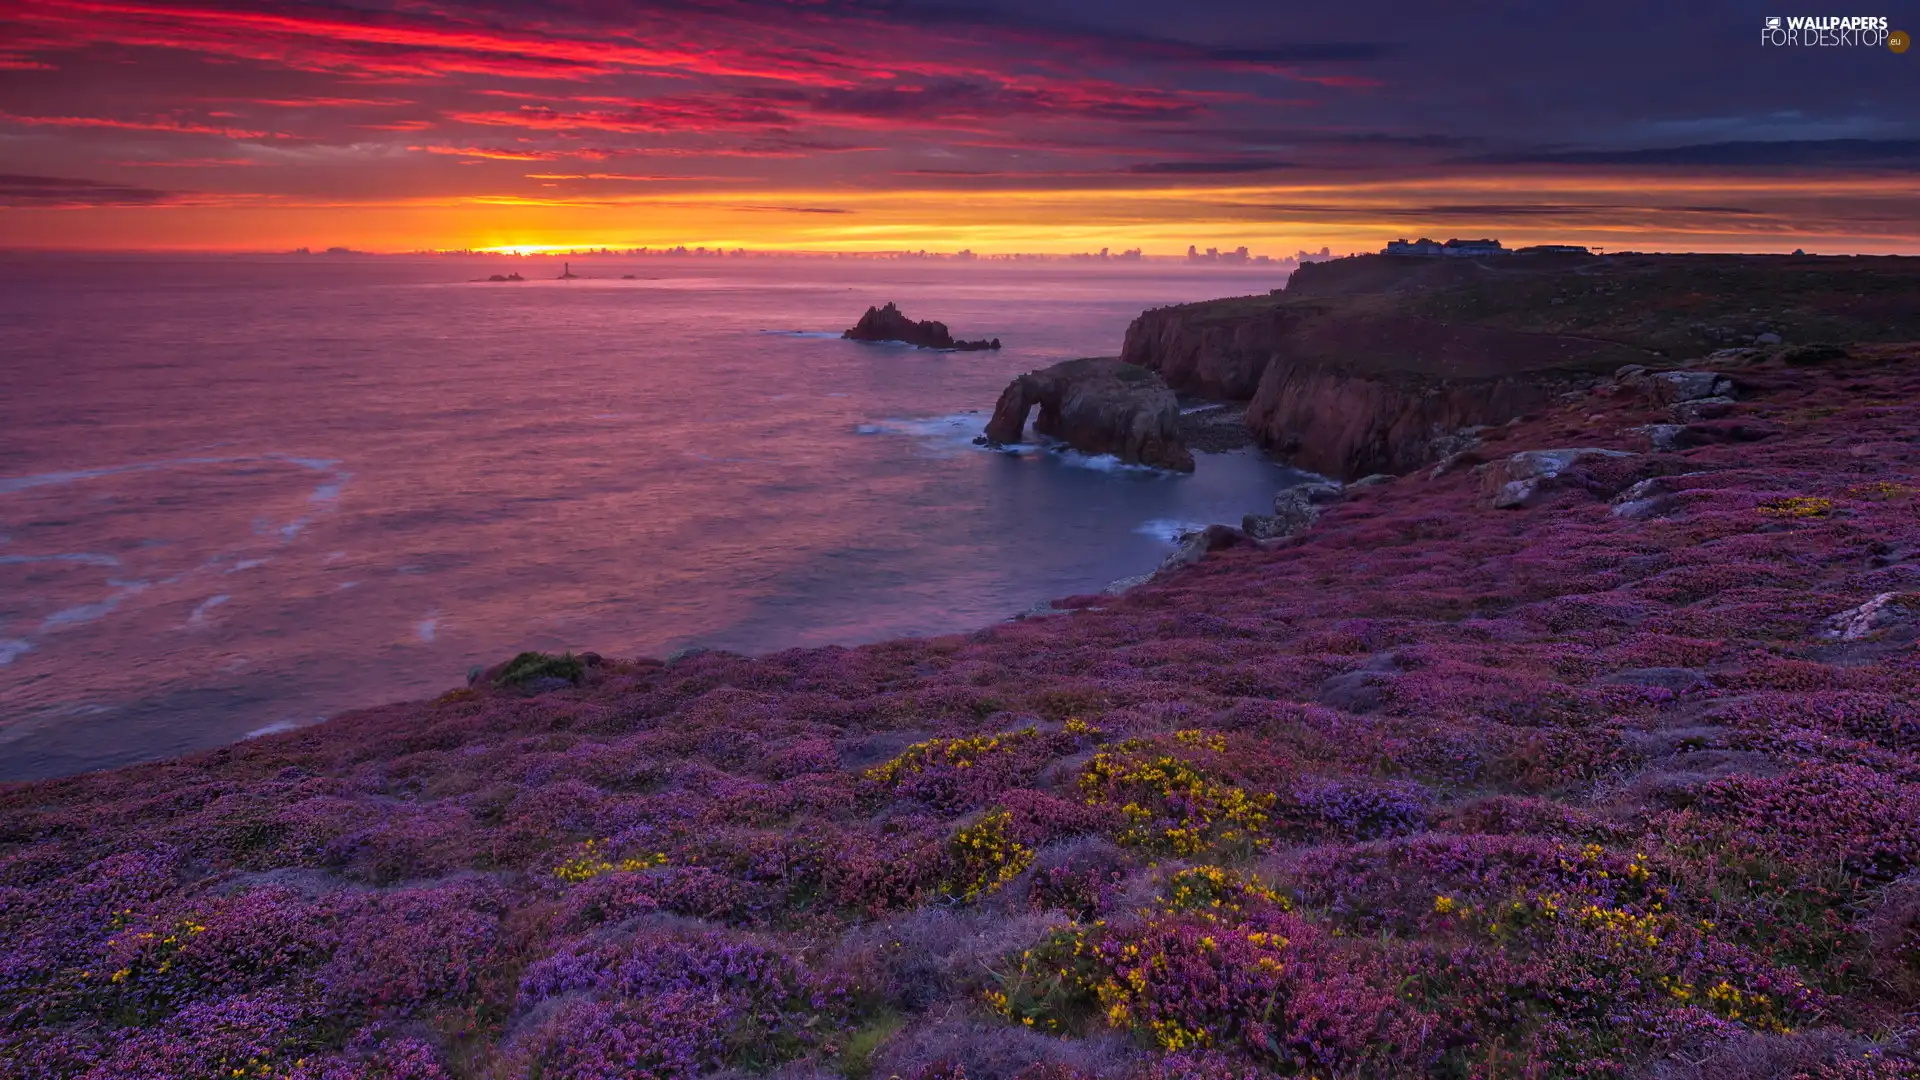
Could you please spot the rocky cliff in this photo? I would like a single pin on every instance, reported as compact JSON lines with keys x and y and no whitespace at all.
{"x":1374,"y":364}
{"x":1097,"y":406}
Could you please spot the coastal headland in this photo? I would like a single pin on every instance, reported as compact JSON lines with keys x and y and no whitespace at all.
{"x":1586,"y":748}
{"x":1375,"y":364}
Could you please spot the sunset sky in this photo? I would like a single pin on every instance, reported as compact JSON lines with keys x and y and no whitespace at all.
{"x":1023,"y":125}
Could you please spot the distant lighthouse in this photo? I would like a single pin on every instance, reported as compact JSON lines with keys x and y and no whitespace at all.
{"x":566,"y":272}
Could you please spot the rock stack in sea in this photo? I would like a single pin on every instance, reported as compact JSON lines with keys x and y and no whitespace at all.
{"x":888,"y":324}
{"x":1097,"y":406}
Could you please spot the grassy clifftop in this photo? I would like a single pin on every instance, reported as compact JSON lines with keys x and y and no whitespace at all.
{"x":1683,"y":306}
{"x":1372,"y":364}
{"x":1595,"y":787}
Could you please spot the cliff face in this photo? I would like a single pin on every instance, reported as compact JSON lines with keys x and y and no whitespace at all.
{"x":1217,"y":349}
{"x":1097,"y":406}
{"x":1372,"y":364}
{"x":1338,"y":424}
{"x":1348,"y":394}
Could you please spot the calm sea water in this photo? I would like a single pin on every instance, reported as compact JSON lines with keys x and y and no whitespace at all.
{"x":241,"y":495}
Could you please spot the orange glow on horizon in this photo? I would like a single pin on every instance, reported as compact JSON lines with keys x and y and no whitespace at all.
{"x":1618,"y":211}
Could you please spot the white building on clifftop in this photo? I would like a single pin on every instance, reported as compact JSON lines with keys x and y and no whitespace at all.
{"x":1457,"y":249}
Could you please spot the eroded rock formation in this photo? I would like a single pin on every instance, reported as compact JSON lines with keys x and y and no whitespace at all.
{"x":1097,"y":406}
{"x":888,"y":324}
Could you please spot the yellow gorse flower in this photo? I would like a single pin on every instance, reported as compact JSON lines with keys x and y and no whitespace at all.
{"x":592,"y":861}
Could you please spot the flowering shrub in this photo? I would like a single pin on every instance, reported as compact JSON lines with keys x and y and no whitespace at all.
{"x":955,"y":773}
{"x":1797,"y":506}
{"x":1214,"y":893}
{"x":591,"y":861}
{"x":1434,"y":791}
{"x":1170,"y":804}
{"x":985,"y":856}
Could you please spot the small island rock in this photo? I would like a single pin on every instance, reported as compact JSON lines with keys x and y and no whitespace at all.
{"x":888,"y":324}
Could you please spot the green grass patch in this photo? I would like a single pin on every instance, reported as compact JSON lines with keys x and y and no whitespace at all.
{"x":529,"y":666}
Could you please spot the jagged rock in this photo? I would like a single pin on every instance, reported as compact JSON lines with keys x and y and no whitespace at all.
{"x":1216,"y":429}
{"x":1888,"y":611}
{"x":1630,"y":373}
{"x":1262,"y":526}
{"x":1295,"y":508}
{"x":1706,"y":408}
{"x":1127,"y":584}
{"x":1097,"y":406}
{"x":1373,"y":480}
{"x":1518,"y":480}
{"x":1729,"y":431}
{"x":1676,"y":386}
{"x":1459,"y":441}
{"x":1645,"y":509}
{"x":888,"y":324}
{"x":1666,"y":437}
{"x":1196,"y":545}
{"x":1454,"y":462}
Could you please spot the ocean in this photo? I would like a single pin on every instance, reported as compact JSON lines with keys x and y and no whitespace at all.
{"x":238,"y":495}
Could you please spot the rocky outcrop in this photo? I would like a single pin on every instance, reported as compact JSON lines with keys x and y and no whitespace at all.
{"x":1096,"y":406}
{"x":1650,"y":498}
{"x":888,"y":324}
{"x":1215,"y":429}
{"x":1885,"y":612}
{"x":1519,"y":480}
{"x":1294,"y":510}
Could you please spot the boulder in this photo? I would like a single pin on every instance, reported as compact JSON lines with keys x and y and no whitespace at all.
{"x":1646,"y":499}
{"x":1664,"y":437}
{"x":1096,"y":406}
{"x":1196,"y":545}
{"x":1518,"y":480}
{"x":1372,"y":480}
{"x":1675,"y":386}
{"x":1729,"y":431}
{"x":1706,"y":408}
{"x":1674,"y":437}
{"x":1886,"y":612}
{"x":1456,"y":462}
{"x":888,"y":324}
{"x":1296,"y":508}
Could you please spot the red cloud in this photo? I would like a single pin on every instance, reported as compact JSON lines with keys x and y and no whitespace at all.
{"x":186,"y":127}
{"x":499,"y":153}
{"x":407,"y":45}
